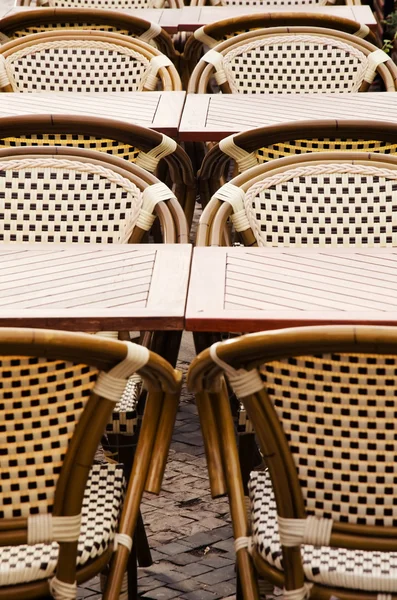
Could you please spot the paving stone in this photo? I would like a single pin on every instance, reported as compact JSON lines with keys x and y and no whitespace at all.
{"x":172,"y":549}
{"x":217,"y":575}
{"x":182,"y":559}
{"x":188,"y":585}
{"x":216,"y":561}
{"x":196,"y":568}
{"x":200,"y":595}
{"x":161,"y":593}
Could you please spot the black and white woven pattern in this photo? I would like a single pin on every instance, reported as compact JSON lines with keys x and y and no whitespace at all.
{"x":100,"y":513}
{"x":77,"y":66}
{"x":103,"y":3}
{"x":124,"y":419}
{"x":40,"y":403}
{"x":50,"y":200}
{"x":356,"y":569}
{"x":341,"y":205}
{"x":268,"y":2}
{"x":292,"y":64}
{"x":339,"y":416}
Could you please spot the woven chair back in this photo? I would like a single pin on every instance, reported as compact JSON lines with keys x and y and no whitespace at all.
{"x":77,"y":61}
{"x":115,"y":4}
{"x":293,"y":60}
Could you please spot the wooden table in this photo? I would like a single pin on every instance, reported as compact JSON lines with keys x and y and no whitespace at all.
{"x":88,"y":287}
{"x":254,"y":289}
{"x":168,"y":18}
{"x":211,"y":117}
{"x":193,"y":17}
{"x":159,"y":110}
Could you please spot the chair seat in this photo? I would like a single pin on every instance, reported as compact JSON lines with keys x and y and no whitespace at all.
{"x":124,"y":419}
{"x":339,"y":567}
{"x":100,"y":513}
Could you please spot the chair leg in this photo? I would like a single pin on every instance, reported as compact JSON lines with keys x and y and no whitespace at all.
{"x":249,"y":457}
{"x":132,"y":574}
{"x":141,"y":544}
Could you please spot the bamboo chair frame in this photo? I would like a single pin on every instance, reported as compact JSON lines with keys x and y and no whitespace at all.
{"x":242,"y":3}
{"x":163,"y":384}
{"x":212,"y":229}
{"x":339,"y":132}
{"x":203,"y":72}
{"x":58,"y":130}
{"x":214,"y":33}
{"x":167,"y":75}
{"x":47,"y":19}
{"x":248,"y":353}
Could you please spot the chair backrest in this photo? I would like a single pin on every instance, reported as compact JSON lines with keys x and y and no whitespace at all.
{"x":114,"y":4}
{"x":318,"y":199}
{"x":293,"y":60}
{"x":322,"y":402}
{"x":55,"y":401}
{"x":212,"y":34}
{"x":41,"y":20}
{"x":84,"y":61}
{"x":256,"y":146}
{"x":146,"y":148}
{"x":81,"y":196}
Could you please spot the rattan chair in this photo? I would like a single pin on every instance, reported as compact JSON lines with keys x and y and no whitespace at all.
{"x":155,"y":152}
{"x":210,"y":35}
{"x":41,"y":20}
{"x":272,"y":3}
{"x":293,"y":60}
{"x":239,"y":152}
{"x":322,"y":518}
{"x":84,"y":61}
{"x":60,"y":514}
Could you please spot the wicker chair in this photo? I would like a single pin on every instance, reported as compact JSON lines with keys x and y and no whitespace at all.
{"x":46,"y":19}
{"x":322,"y":518}
{"x":60,"y":514}
{"x":155,"y":152}
{"x":239,"y":152}
{"x":210,"y":35}
{"x":84,"y":61}
{"x":293,"y":60}
{"x":270,"y":3}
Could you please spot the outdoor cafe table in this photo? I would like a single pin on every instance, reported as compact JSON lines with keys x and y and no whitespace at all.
{"x":254,"y":289}
{"x":92,"y":287}
{"x":211,"y":117}
{"x":159,"y":110}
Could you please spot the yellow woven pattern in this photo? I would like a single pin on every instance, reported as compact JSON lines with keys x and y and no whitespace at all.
{"x":40,"y":404}
{"x":108,"y":146}
{"x":339,"y":415}
{"x":320,"y":145}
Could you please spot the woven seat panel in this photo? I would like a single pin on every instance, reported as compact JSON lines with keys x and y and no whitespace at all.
{"x":324,"y":205}
{"x":40,"y":404}
{"x":124,"y":418}
{"x":268,"y":2}
{"x":101,"y":508}
{"x":51,"y":26}
{"x":322,"y":145}
{"x":339,"y":415}
{"x":114,"y":147}
{"x":50,"y":200}
{"x":77,"y":66}
{"x":290,"y":64}
{"x":104,"y":3}
{"x":357,"y":569}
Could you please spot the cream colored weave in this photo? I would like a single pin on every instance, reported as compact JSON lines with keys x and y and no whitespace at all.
{"x":102,"y":3}
{"x":290,"y":64}
{"x":75,"y":66}
{"x":47,"y":200}
{"x":324,"y":205}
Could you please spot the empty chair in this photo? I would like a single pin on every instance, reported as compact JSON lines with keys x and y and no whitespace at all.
{"x":321,"y":521}
{"x":244,"y":150}
{"x":212,"y":34}
{"x":153,"y":151}
{"x":84,"y":61}
{"x":46,"y":19}
{"x":293,"y":60}
{"x":62,"y":518}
